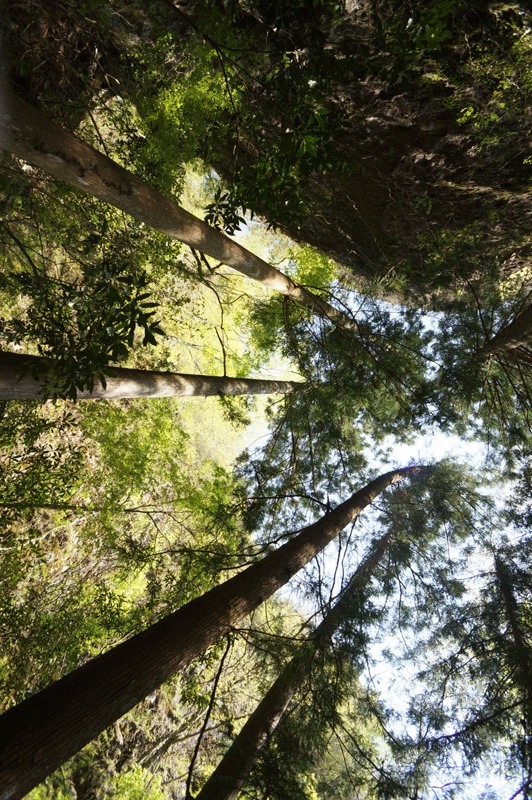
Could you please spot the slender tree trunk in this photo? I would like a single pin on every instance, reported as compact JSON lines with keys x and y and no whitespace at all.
{"x":30,"y":135}
{"x":78,"y":508}
{"x":228,"y":778}
{"x":18,"y":382}
{"x":42,"y":732}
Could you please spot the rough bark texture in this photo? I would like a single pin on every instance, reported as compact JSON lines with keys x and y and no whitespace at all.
{"x":41,"y":733}
{"x":514,"y":336}
{"x":17,"y":382}
{"x":229,"y":776}
{"x":30,"y":135}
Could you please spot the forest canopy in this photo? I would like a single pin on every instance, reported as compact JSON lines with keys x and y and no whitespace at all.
{"x":311,"y":579}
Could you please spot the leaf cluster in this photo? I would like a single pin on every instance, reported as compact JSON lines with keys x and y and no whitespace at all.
{"x":80,"y":327}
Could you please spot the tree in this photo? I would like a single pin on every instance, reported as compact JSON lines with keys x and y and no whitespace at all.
{"x":513,"y":339}
{"x":385,"y":135}
{"x":41,"y":733}
{"x":373,"y":133}
{"x":416,"y":579}
{"x":475,"y":698}
{"x":466,"y":633}
{"x":391,"y":136}
{"x":25,"y":377}
{"x":356,"y":392}
{"x":519,"y":649}
{"x":484,"y":381}
{"x":30,"y":135}
{"x":230,"y":774}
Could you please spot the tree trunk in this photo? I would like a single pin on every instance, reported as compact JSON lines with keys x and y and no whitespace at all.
{"x":18,"y":382}
{"x":42,"y":732}
{"x":520,"y":651}
{"x":79,"y":508}
{"x":518,"y":636}
{"x":406,"y":173}
{"x":30,"y":135}
{"x":514,"y":336}
{"x":228,"y":778}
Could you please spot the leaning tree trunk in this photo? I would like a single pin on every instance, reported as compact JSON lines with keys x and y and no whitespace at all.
{"x":228,"y":778}
{"x":514,"y":338}
{"x":24,"y":377}
{"x":30,"y":135}
{"x":41,"y":733}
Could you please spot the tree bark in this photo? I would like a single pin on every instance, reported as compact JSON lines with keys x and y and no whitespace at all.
{"x":518,"y":637}
{"x":228,"y":778}
{"x":18,"y":382}
{"x":41,"y":733}
{"x":30,"y":135}
{"x":514,"y":336}
{"x":520,"y":651}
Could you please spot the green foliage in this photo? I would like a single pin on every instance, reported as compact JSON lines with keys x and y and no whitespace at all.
{"x":287,"y":13}
{"x":503,"y":89}
{"x":484,"y":396}
{"x":269,"y":319}
{"x":180,"y":97}
{"x":137,"y":784}
{"x":354,"y":393}
{"x":484,"y":55}
{"x":136,"y":526}
{"x":208,"y":104}
{"x":223,"y":213}
{"x":43,"y":792}
{"x":76,"y":295}
{"x":462,"y":708}
{"x":140,"y":447}
{"x":430,"y":24}
{"x":115,"y":514}
{"x":456,"y":256}
{"x":81,"y":327}
{"x":267,"y":324}
{"x":439,"y":499}
{"x":40,"y":444}
{"x":274,"y":183}
{"x":313,"y":268}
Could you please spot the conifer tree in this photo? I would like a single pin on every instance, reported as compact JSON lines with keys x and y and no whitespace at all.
{"x":42,"y":732}
{"x":230,"y":774}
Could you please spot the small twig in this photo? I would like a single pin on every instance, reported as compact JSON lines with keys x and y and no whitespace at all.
{"x":188,"y":795}
{"x":98,"y":132}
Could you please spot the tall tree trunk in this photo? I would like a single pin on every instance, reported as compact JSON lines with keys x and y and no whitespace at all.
{"x":515,"y":336}
{"x":18,"y":382}
{"x":522,"y":656}
{"x":229,"y":776}
{"x":522,"y":653}
{"x":42,"y":732}
{"x":30,"y":135}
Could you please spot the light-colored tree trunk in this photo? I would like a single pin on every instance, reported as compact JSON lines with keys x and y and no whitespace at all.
{"x":41,"y":733}
{"x":18,"y":382}
{"x":229,"y":776}
{"x":32,"y":136}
